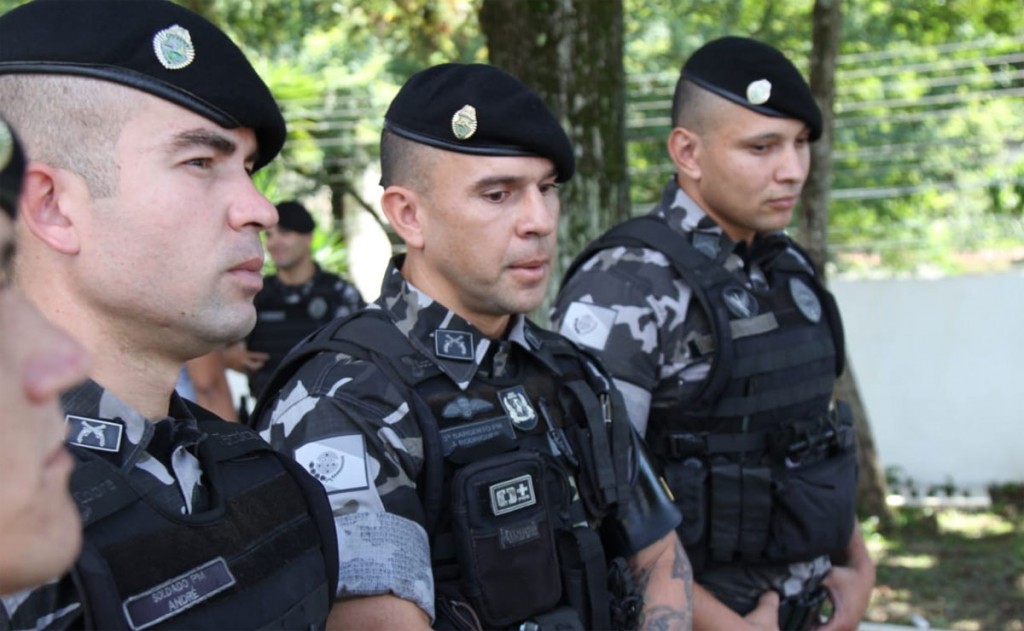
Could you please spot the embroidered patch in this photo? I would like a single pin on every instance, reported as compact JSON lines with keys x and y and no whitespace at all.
{"x":512,"y":495}
{"x":588,"y":324}
{"x":806,"y":300}
{"x":739,"y":302}
{"x":339,"y":463}
{"x":512,"y":536}
{"x":178,"y":595}
{"x":463,"y":407}
{"x":453,"y":344}
{"x":518,"y":407}
{"x":475,"y":433}
{"x":93,"y":433}
{"x":317,"y":307}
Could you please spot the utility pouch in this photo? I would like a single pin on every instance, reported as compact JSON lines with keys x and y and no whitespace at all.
{"x":687,"y":479}
{"x":813,"y":508}
{"x":505,"y":543}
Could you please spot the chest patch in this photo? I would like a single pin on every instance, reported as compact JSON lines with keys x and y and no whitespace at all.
{"x":178,"y":595}
{"x":512,"y":495}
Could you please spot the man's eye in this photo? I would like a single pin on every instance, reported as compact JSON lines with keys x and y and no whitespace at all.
{"x":496,"y":196}
{"x":202,"y":163}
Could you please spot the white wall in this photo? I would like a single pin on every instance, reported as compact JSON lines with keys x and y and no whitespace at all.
{"x":939,"y":365}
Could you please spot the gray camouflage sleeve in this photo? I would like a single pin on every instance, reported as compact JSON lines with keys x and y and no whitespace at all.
{"x":348,"y":426}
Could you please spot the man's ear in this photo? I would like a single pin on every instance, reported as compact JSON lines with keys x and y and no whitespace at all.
{"x":47,"y":197}
{"x":403,"y":208}
{"x":684,"y":147}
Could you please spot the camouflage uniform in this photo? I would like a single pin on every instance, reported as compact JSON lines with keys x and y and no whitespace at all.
{"x":631,"y":307}
{"x":336,"y":409}
{"x":158,"y":453}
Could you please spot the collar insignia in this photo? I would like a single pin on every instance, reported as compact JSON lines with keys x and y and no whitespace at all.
{"x":92,"y":433}
{"x":758,"y":92}
{"x":173,"y":48}
{"x":453,"y":345}
{"x":464,"y":122}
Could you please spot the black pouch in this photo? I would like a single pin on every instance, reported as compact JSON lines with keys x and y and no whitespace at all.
{"x":687,"y":479}
{"x":813,"y":508}
{"x":505,"y":537}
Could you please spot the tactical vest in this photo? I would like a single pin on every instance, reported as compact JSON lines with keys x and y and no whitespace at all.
{"x":263,"y":556}
{"x":281,"y":326}
{"x":760,"y":463}
{"x":511,"y":500}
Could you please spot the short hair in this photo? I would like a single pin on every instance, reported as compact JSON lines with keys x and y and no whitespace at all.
{"x":403,"y":162}
{"x":70,"y":122}
{"x":693,"y":106}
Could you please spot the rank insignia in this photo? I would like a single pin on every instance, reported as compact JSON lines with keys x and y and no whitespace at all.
{"x":758,"y":92}
{"x":93,"y":433}
{"x":464,"y":122}
{"x":512,"y":495}
{"x":518,"y":407}
{"x":453,"y":344}
{"x":806,"y":300}
{"x":173,"y":48}
{"x":466,"y":408}
{"x":739,"y":302}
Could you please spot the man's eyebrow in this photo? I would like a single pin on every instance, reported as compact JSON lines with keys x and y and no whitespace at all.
{"x":206,"y":138}
{"x":509,"y":179}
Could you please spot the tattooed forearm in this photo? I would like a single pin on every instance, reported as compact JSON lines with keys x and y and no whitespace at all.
{"x":664,"y":618}
{"x":681,"y":569}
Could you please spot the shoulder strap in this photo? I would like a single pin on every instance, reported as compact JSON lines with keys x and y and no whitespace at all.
{"x":701,"y":273}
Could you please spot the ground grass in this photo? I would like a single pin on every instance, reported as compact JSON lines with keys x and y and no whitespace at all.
{"x":954,"y":569}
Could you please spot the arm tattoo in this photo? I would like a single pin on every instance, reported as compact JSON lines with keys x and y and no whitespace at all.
{"x":682,"y":569}
{"x":674,"y":616}
{"x":664,"y":618}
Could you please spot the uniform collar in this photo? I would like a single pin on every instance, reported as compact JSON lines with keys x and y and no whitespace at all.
{"x":454,"y":345}
{"x":686,"y":217}
{"x":99,"y":412}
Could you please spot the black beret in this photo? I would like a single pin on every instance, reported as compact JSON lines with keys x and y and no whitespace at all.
{"x":151,"y":45}
{"x":12,"y":169}
{"x":293,"y":216}
{"x":756,"y":76}
{"x":478,"y":109}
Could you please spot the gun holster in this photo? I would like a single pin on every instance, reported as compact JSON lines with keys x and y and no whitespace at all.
{"x":803,"y":611}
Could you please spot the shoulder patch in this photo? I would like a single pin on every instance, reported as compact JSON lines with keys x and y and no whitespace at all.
{"x":588,"y":324}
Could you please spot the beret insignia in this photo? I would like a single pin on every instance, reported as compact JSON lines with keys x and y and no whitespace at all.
{"x":173,"y":47}
{"x":6,"y":145}
{"x":758,"y":92}
{"x":464,"y":122}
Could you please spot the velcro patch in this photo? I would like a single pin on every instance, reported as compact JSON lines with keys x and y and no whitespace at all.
{"x":588,"y":324}
{"x":512,"y":495}
{"x":178,"y":595}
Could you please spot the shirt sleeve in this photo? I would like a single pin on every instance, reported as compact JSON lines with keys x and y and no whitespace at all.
{"x":53,"y":605}
{"x":629,"y":307}
{"x":350,"y":428}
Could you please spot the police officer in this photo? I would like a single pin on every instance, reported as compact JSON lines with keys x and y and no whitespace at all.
{"x":294,"y":302}
{"x":139,"y":235}
{"x":482,"y":470}
{"x":727,"y":347}
{"x":40,"y":531}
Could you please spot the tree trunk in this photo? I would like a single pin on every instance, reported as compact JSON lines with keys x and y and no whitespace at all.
{"x":570,"y":52}
{"x":813,"y":227}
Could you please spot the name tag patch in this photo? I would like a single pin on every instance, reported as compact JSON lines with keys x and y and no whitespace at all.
{"x":93,"y":433}
{"x":512,"y":495}
{"x":178,"y":595}
{"x":475,"y":433}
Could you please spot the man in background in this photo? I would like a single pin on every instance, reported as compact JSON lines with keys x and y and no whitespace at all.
{"x":295,"y":301}
{"x":727,"y":347}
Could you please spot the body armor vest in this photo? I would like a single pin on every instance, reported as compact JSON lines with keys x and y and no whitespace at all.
{"x":263,"y":556}
{"x":281,"y":326}
{"x":761,"y":464}
{"x":512,"y":484}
